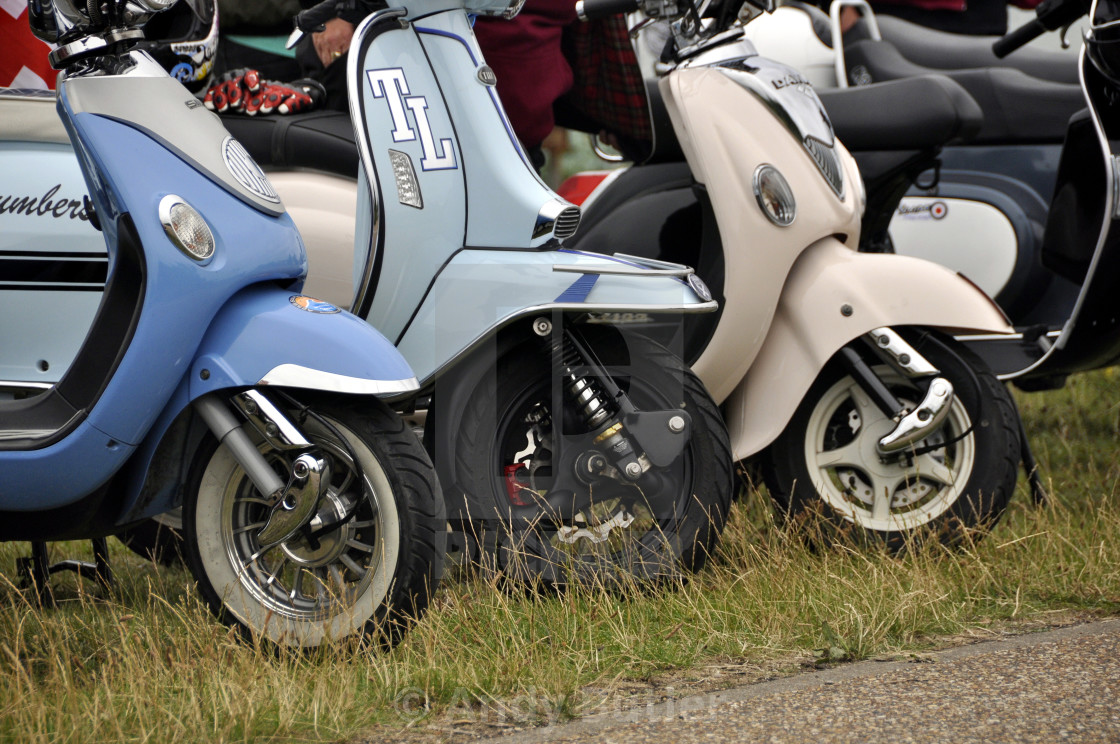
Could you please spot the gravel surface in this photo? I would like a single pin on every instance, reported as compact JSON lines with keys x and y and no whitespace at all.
{"x":1057,"y":686}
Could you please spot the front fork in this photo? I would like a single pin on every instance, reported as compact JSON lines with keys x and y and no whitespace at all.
{"x":912,"y":425}
{"x":292,"y":502}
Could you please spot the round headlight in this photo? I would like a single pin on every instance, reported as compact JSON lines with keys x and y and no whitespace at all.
{"x":186,"y":228}
{"x":774,"y":195}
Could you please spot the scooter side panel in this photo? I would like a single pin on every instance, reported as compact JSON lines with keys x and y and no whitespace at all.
{"x":266,"y":335}
{"x":447,"y":167}
{"x":833,"y":296}
{"x":480,"y":291}
{"x":412,"y":156}
{"x":726,"y":134}
{"x":52,"y":261}
{"x":504,"y":192}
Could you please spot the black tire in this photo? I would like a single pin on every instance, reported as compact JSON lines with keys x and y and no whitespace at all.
{"x":825,"y":463}
{"x":373,"y":576}
{"x":158,"y":539}
{"x":496,"y":426}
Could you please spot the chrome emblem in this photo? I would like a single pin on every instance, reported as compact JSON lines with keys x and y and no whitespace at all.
{"x":486,"y":76}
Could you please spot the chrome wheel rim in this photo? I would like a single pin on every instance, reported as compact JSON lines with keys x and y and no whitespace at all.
{"x":297,"y":579}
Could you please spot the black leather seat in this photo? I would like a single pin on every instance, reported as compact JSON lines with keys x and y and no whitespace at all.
{"x":317,"y":140}
{"x":945,"y":51}
{"x":917,"y":113}
{"x":1018,"y":108}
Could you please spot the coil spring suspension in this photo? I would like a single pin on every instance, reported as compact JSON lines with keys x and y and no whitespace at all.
{"x":583,"y":392}
{"x":595,"y":408}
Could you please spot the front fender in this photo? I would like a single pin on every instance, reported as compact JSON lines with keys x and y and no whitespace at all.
{"x":262,"y":336}
{"x":834,"y":295}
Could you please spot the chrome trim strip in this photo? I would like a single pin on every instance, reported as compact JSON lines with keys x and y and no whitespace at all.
{"x":620,"y":270}
{"x":1109,"y":196}
{"x":965,"y":337}
{"x":655,"y":263}
{"x":295,"y":375}
{"x":21,"y":385}
{"x":361,"y":138}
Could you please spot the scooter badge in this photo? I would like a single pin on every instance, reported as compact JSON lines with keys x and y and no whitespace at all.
{"x":312,"y":305}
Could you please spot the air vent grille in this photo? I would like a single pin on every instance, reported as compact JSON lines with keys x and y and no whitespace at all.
{"x":567,"y":223}
{"x":828,"y":162}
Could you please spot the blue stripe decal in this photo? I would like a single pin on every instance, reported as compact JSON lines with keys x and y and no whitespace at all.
{"x":449,"y":35}
{"x":579,"y":290}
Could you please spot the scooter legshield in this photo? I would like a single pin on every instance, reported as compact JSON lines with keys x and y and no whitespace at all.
{"x":265,"y":335}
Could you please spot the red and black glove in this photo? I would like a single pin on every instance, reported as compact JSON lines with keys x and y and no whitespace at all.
{"x":285,"y":98}
{"x":232,"y":90}
{"x":244,"y":91}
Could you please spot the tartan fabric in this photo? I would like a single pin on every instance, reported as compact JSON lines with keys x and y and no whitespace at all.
{"x":608,"y":87}
{"x":554,"y":70}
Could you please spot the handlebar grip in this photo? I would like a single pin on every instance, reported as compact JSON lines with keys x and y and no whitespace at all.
{"x":588,"y":9}
{"x":315,"y":18}
{"x":1017,"y":38}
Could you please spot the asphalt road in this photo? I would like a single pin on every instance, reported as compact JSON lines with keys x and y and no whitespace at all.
{"x":1056,"y":686}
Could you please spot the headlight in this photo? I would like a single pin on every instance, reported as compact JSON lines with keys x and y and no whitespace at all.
{"x":186,"y":228}
{"x":774,"y":195}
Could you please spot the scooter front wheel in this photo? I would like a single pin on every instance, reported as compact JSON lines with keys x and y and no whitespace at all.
{"x":517,"y":452}
{"x":372,"y":574}
{"x":957,"y":480}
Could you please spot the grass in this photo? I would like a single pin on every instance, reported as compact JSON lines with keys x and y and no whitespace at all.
{"x":147,"y":663}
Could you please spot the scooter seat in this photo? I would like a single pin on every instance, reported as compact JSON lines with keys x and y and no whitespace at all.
{"x":317,"y":140}
{"x":941,"y":50}
{"x":1018,"y":108}
{"x":924,"y":113}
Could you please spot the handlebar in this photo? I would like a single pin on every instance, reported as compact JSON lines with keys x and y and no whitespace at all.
{"x":1049,"y":16}
{"x":588,"y":9}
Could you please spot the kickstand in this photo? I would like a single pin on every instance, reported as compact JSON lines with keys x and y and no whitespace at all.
{"x":1038,"y":491}
{"x":35,"y":572}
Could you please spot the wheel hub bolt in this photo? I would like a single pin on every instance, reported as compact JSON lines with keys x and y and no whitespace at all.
{"x":542,"y":326}
{"x":676,"y":424}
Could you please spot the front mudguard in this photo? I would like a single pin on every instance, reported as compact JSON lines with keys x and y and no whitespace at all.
{"x":260,"y":338}
{"x":833,"y":296}
{"x":265,"y":335}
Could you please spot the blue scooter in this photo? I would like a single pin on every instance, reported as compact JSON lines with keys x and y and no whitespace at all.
{"x":311,"y":511}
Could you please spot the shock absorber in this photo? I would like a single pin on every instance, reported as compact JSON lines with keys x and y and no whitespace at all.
{"x":585,"y":392}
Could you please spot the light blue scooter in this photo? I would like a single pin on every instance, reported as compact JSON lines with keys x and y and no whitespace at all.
{"x":310,"y":511}
{"x":566,"y":445}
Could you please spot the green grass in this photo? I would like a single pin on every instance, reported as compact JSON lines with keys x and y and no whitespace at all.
{"x":149,"y":664}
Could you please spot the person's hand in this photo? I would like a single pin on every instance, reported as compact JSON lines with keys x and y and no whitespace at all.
{"x":243,"y":91}
{"x":333,"y":41}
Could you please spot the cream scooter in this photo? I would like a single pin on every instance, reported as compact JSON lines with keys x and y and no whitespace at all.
{"x":835,"y":369}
